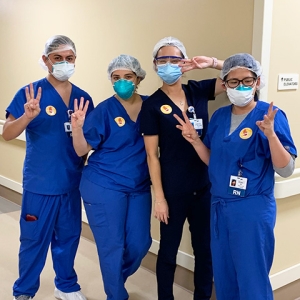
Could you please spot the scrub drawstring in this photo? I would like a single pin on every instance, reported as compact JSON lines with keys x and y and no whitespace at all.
{"x":216,"y":206}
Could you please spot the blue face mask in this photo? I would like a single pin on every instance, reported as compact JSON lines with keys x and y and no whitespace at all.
{"x":124,"y":88}
{"x":169,"y":73}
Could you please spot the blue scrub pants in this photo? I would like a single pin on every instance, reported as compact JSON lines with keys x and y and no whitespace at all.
{"x":120,"y":223}
{"x":242,"y":243}
{"x":58,"y":223}
{"x":195,"y":207}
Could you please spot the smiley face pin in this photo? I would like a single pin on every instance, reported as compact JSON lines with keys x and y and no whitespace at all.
{"x":245,"y":133}
{"x":120,"y":121}
{"x":51,"y":110}
{"x":166,"y":109}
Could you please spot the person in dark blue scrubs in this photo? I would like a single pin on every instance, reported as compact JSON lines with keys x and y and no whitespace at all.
{"x":244,"y":144}
{"x":179,"y":179}
{"x":115,"y":185}
{"x":51,"y":203}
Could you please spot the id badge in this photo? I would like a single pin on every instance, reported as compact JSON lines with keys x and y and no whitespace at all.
{"x":198,"y":125}
{"x":68,"y":128}
{"x":237,"y":186}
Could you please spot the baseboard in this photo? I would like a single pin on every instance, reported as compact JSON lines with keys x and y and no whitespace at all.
{"x":289,"y":292}
{"x":10,"y":195}
{"x":11,"y":184}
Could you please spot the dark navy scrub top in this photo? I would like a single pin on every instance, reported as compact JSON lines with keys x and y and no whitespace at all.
{"x":182,"y":171}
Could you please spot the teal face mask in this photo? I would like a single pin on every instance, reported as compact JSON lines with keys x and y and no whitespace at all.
{"x":124,"y":88}
{"x":243,"y":88}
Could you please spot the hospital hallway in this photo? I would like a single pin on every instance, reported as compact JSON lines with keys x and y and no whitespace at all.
{"x":140,"y":286}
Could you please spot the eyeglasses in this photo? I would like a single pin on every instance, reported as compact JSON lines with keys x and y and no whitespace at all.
{"x":234,"y":82}
{"x":162,"y":60}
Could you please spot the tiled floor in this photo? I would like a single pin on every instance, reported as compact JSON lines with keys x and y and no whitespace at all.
{"x":141,"y":286}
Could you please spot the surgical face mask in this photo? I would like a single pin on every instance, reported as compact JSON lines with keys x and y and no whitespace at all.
{"x":241,"y":95}
{"x":62,"y":71}
{"x":169,"y":73}
{"x":124,"y":88}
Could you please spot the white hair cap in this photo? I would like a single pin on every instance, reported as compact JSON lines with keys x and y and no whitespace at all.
{"x":243,"y":60}
{"x":169,"y":41}
{"x":58,"y":43}
{"x":55,"y":44}
{"x":126,"y":62}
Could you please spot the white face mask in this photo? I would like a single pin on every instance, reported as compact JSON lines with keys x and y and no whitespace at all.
{"x":62,"y":71}
{"x":241,"y":95}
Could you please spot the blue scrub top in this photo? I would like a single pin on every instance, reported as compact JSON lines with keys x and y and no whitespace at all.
{"x":119,"y":160}
{"x":182,"y":171}
{"x":246,"y":149}
{"x":51,"y":165}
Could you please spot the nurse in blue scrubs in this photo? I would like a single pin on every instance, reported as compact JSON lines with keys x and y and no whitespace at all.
{"x":245,"y":143}
{"x":115,"y":185}
{"x":51,"y":203}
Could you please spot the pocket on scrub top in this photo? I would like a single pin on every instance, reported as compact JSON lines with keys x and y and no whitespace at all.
{"x":29,"y":230}
{"x":255,"y":165}
{"x":96,"y":214}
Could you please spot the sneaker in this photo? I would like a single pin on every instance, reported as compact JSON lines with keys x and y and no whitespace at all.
{"x":68,"y":296}
{"x":22,"y":297}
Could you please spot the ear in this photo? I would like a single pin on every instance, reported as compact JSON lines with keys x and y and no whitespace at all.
{"x":45,"y":58}
{"x":223,"y":86}
{"x":154,"y":65}
{"x":258,"y":82}
{"x":138,"y":81}
{"x":47,"y":63}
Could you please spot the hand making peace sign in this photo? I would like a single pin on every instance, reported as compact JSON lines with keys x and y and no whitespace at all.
{"x":197,"y":62}
{"x":187,"y":129}
{"x":267,"y":124}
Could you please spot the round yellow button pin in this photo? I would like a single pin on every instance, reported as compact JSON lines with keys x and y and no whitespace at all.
{"x":245,"y":133}
{"x":120,"y":121}
{"x":51,"y":110}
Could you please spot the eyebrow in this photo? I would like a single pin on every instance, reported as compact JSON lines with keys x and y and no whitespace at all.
{"x":68,"y":56}
{"x":124,"y":74}
{"x":242,"y":79}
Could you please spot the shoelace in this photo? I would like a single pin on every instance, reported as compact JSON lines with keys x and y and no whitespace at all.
{"x":23,"y":297}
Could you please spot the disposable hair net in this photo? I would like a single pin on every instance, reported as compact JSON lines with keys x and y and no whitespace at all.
{"x":55,"y":44}
{"x":169,"y":41}
{"x":59,"y":43}
{"x":126,"y":62}
{"x":246,"y":61}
